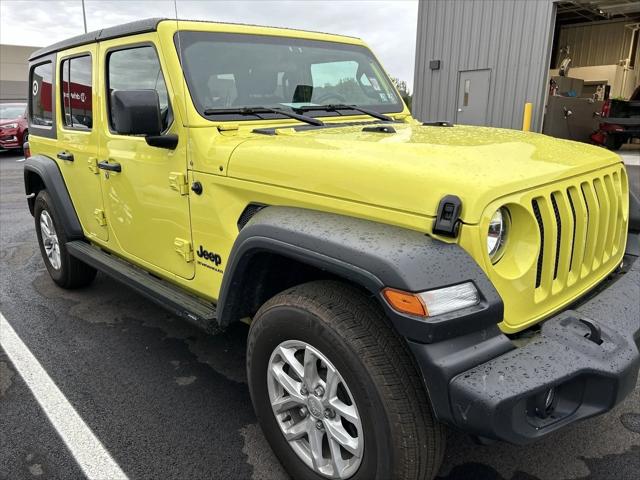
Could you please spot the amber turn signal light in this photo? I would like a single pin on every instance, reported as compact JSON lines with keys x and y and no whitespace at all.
{"x":405,"y":302}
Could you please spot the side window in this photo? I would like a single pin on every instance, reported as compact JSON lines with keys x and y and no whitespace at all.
{"x":138,"y":69}
{"x":41,"y":105}
{"x":76,"y":92}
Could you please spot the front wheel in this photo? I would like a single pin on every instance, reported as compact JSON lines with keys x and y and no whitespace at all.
{"x":335,"y":390}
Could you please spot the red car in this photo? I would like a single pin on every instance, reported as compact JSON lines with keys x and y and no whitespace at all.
{"x":13,"y":125}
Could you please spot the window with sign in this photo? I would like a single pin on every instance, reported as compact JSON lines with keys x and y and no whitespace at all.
{"x":41,"y":105}
{"x":76,"y":92}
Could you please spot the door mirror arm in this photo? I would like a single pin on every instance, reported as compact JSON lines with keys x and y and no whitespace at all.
{"x":168,"y":141}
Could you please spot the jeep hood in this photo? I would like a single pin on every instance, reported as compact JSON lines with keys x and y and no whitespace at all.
{"x":412,"y":169}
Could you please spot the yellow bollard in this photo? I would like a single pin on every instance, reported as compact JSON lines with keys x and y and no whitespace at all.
{"x":526,"y":118}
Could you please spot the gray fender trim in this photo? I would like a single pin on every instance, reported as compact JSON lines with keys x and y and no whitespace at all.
{"x":371,"y":254}
{"x":47,"y":169}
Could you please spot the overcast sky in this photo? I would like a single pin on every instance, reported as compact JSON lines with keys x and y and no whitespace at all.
{"x":388,"y":26}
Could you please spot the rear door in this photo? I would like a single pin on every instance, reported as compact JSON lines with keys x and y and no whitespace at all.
{"x":147,"y":201}
{"x":78,"y":139}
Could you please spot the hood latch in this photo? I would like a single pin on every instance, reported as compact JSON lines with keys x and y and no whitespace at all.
{"x":447,"y":222}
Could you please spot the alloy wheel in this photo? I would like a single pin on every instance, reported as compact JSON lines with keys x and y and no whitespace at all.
{"x":315,"y":409}
{"x":50,"y":239}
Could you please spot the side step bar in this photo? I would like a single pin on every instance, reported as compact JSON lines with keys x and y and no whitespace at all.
{"x":174,"y":299}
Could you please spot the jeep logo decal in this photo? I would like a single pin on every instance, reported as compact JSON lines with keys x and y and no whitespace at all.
{"x":212,"y":257}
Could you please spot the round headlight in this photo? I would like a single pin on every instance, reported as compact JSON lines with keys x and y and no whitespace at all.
{"x":497,"y":234}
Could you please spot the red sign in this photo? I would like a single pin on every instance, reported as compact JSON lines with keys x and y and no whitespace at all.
{"x":45,"y":95}
{"x":80,"y":96}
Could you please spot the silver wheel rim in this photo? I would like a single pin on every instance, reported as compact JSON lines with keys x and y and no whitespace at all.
{"x":50,"y":239}
{"x":315,"y":409}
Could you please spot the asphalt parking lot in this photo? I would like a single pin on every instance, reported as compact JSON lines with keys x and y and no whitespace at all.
{"x":169,"y":402}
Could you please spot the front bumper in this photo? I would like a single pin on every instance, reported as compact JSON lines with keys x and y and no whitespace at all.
{"x":9,"y":139}
{"x":483,"y":384}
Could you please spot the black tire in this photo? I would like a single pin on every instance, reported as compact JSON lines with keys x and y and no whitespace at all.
{"x":72,"y":273}
{"x":401,"y":437}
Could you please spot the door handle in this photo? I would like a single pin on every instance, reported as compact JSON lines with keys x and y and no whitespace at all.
{"x":66,"y":156}
{"x":110,"y":167}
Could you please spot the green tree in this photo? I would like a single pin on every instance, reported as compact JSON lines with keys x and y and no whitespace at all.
{"x":406,"y":95}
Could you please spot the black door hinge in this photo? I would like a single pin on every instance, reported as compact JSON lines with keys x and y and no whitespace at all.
{"x":447,"y":222}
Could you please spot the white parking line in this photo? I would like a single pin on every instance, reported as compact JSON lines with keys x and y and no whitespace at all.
{"x":94,"y":460}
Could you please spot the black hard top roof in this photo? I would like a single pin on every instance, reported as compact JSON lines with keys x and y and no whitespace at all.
{"x":132,"y":28}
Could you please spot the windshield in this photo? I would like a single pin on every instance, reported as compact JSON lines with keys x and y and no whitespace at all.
{"x":9,"y":112}
{"x":232,"y":71}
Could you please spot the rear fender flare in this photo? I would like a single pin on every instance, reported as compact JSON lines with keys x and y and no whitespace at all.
{"x":40,"y":172}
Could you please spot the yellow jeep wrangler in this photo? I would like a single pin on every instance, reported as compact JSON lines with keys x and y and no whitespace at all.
{"x":398,"y":277}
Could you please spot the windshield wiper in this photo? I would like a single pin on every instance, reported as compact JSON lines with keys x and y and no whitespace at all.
{"x":258,"y":110}
{"x":337,"y":108}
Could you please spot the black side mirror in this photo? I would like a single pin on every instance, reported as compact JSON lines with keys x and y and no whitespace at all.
{"x":136,"y":112}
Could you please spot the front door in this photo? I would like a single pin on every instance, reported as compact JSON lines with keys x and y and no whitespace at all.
{"x":147,"y":201}
{"x":78,"y":137}
{"x":473,"y":97}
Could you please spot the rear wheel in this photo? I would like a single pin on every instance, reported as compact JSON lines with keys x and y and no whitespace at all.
{"x":335,"y":390}
{"x":65,"y":270}
{"x":25,"y":139}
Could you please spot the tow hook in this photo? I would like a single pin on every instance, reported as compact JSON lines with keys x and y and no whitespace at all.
{"x":595,"y":332}
{"x":545,"y":403}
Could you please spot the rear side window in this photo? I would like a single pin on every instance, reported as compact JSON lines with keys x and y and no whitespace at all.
{"x":41,"y":104}
{"x":76,"y":90}
{"x":138,"y":69}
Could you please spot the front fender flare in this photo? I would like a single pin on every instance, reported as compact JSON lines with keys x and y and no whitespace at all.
{"x":370,"y":254}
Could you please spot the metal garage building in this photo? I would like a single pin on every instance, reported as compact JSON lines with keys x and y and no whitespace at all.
{"x":479,"y":61}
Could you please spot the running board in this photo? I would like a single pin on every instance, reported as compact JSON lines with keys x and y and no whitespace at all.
{"x":174,"y":299}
